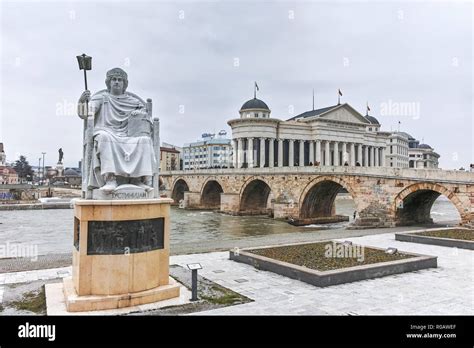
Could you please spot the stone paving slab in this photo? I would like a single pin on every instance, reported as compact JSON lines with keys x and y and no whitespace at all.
{"x":446,"y":290}
{"x":30,"y":276}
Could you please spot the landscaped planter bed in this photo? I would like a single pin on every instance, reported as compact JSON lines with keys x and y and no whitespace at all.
{"x":324,"y":263}
{"x":462,"y":238}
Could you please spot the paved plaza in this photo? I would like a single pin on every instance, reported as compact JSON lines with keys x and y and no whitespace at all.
{"x":446,"y":290}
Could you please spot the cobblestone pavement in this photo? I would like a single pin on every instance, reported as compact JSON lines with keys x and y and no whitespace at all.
{"x":446,"y":290}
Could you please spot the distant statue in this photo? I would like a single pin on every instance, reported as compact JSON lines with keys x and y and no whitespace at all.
{"x":61,"y":154}
{"x":122,"y":148}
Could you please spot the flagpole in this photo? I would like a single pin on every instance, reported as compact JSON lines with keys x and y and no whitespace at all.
{"x":313,"y":99}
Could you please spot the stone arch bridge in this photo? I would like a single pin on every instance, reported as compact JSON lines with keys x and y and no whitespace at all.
{"x":382,"y":196}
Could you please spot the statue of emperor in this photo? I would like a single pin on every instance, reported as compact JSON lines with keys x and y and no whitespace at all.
{"x":120,"y":153}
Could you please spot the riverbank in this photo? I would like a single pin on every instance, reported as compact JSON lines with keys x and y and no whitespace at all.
{"x":55,"y":260}
{"x":46,"y":198}
{"x":37,"y":206}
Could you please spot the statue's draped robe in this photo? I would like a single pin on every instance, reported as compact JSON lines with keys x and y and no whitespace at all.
{"x":113,"y":150}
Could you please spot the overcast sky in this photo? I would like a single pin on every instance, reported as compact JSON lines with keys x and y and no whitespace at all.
{"x":198,"y":61}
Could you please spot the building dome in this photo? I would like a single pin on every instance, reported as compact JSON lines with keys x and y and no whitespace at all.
{"x":407,"y":135}
{"x":424,"y":146}
{"x":254,"y":104}
{"x":372,"y":120}
{"x":71,"y":172}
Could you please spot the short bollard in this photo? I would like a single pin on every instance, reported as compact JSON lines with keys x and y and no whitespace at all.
{"x":194,"y":279}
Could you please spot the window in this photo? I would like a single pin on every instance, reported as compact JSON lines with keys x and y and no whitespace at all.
{"x":256,"y":114}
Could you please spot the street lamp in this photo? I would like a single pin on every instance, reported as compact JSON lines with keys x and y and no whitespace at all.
{"x":39,"y":170}
{"x":42,"y":177}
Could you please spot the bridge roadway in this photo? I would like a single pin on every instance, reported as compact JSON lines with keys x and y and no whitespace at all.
{"x":384,"y":197}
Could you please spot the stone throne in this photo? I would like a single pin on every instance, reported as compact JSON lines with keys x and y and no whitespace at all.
{"x":139,"y":126}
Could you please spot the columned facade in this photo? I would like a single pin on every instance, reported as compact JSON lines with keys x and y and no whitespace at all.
{"x":327,"y":157}
{"x":318,"y":151}
{"x":291,"y":157}
{"x":359,"y":154}
{"x":250,"y":152}
{"x":234,"y":153}
{"x":334,"y":136}
{"x":262,"y":152}
{"x":366,"y":156}
{"x":271,"y":153}
{"x":240,"y":153}
{"x":301,"y":156}
{"x":280,"y":152}
{"x":352,"y":155}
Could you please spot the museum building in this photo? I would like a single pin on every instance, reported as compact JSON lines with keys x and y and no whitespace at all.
{"x":337,"y":135}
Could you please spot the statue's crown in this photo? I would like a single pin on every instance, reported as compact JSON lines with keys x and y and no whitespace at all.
{"x":117,"y":72}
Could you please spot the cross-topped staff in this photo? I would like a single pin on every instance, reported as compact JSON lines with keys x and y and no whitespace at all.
{"x":85,"y":63}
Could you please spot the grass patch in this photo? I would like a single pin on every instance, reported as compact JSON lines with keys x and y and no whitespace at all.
{"x":32,"y":301}
{"x":460,"y":234}
{"x":315,"y":255}
{"x":227,"y":299}
{"x":221,"y":296}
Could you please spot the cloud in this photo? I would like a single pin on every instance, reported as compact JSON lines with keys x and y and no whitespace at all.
{"x":204,"y":56}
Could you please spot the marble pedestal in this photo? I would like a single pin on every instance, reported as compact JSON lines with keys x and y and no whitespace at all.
{"x":60,"y":169}
{"x":120,"y":255}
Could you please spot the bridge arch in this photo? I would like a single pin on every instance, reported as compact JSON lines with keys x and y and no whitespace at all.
{"x":179,"y":187}
{"x":211,"y":194}
{"x":254,"y":196}
{"x":413,"y":204}
{"x":317,"y":198}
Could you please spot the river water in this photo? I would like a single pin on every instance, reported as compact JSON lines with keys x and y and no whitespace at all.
{"x":51,"y":230}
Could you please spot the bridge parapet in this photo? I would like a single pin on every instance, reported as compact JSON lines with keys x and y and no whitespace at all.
{"x":382,"y":196}
{"x":435,"y":175}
